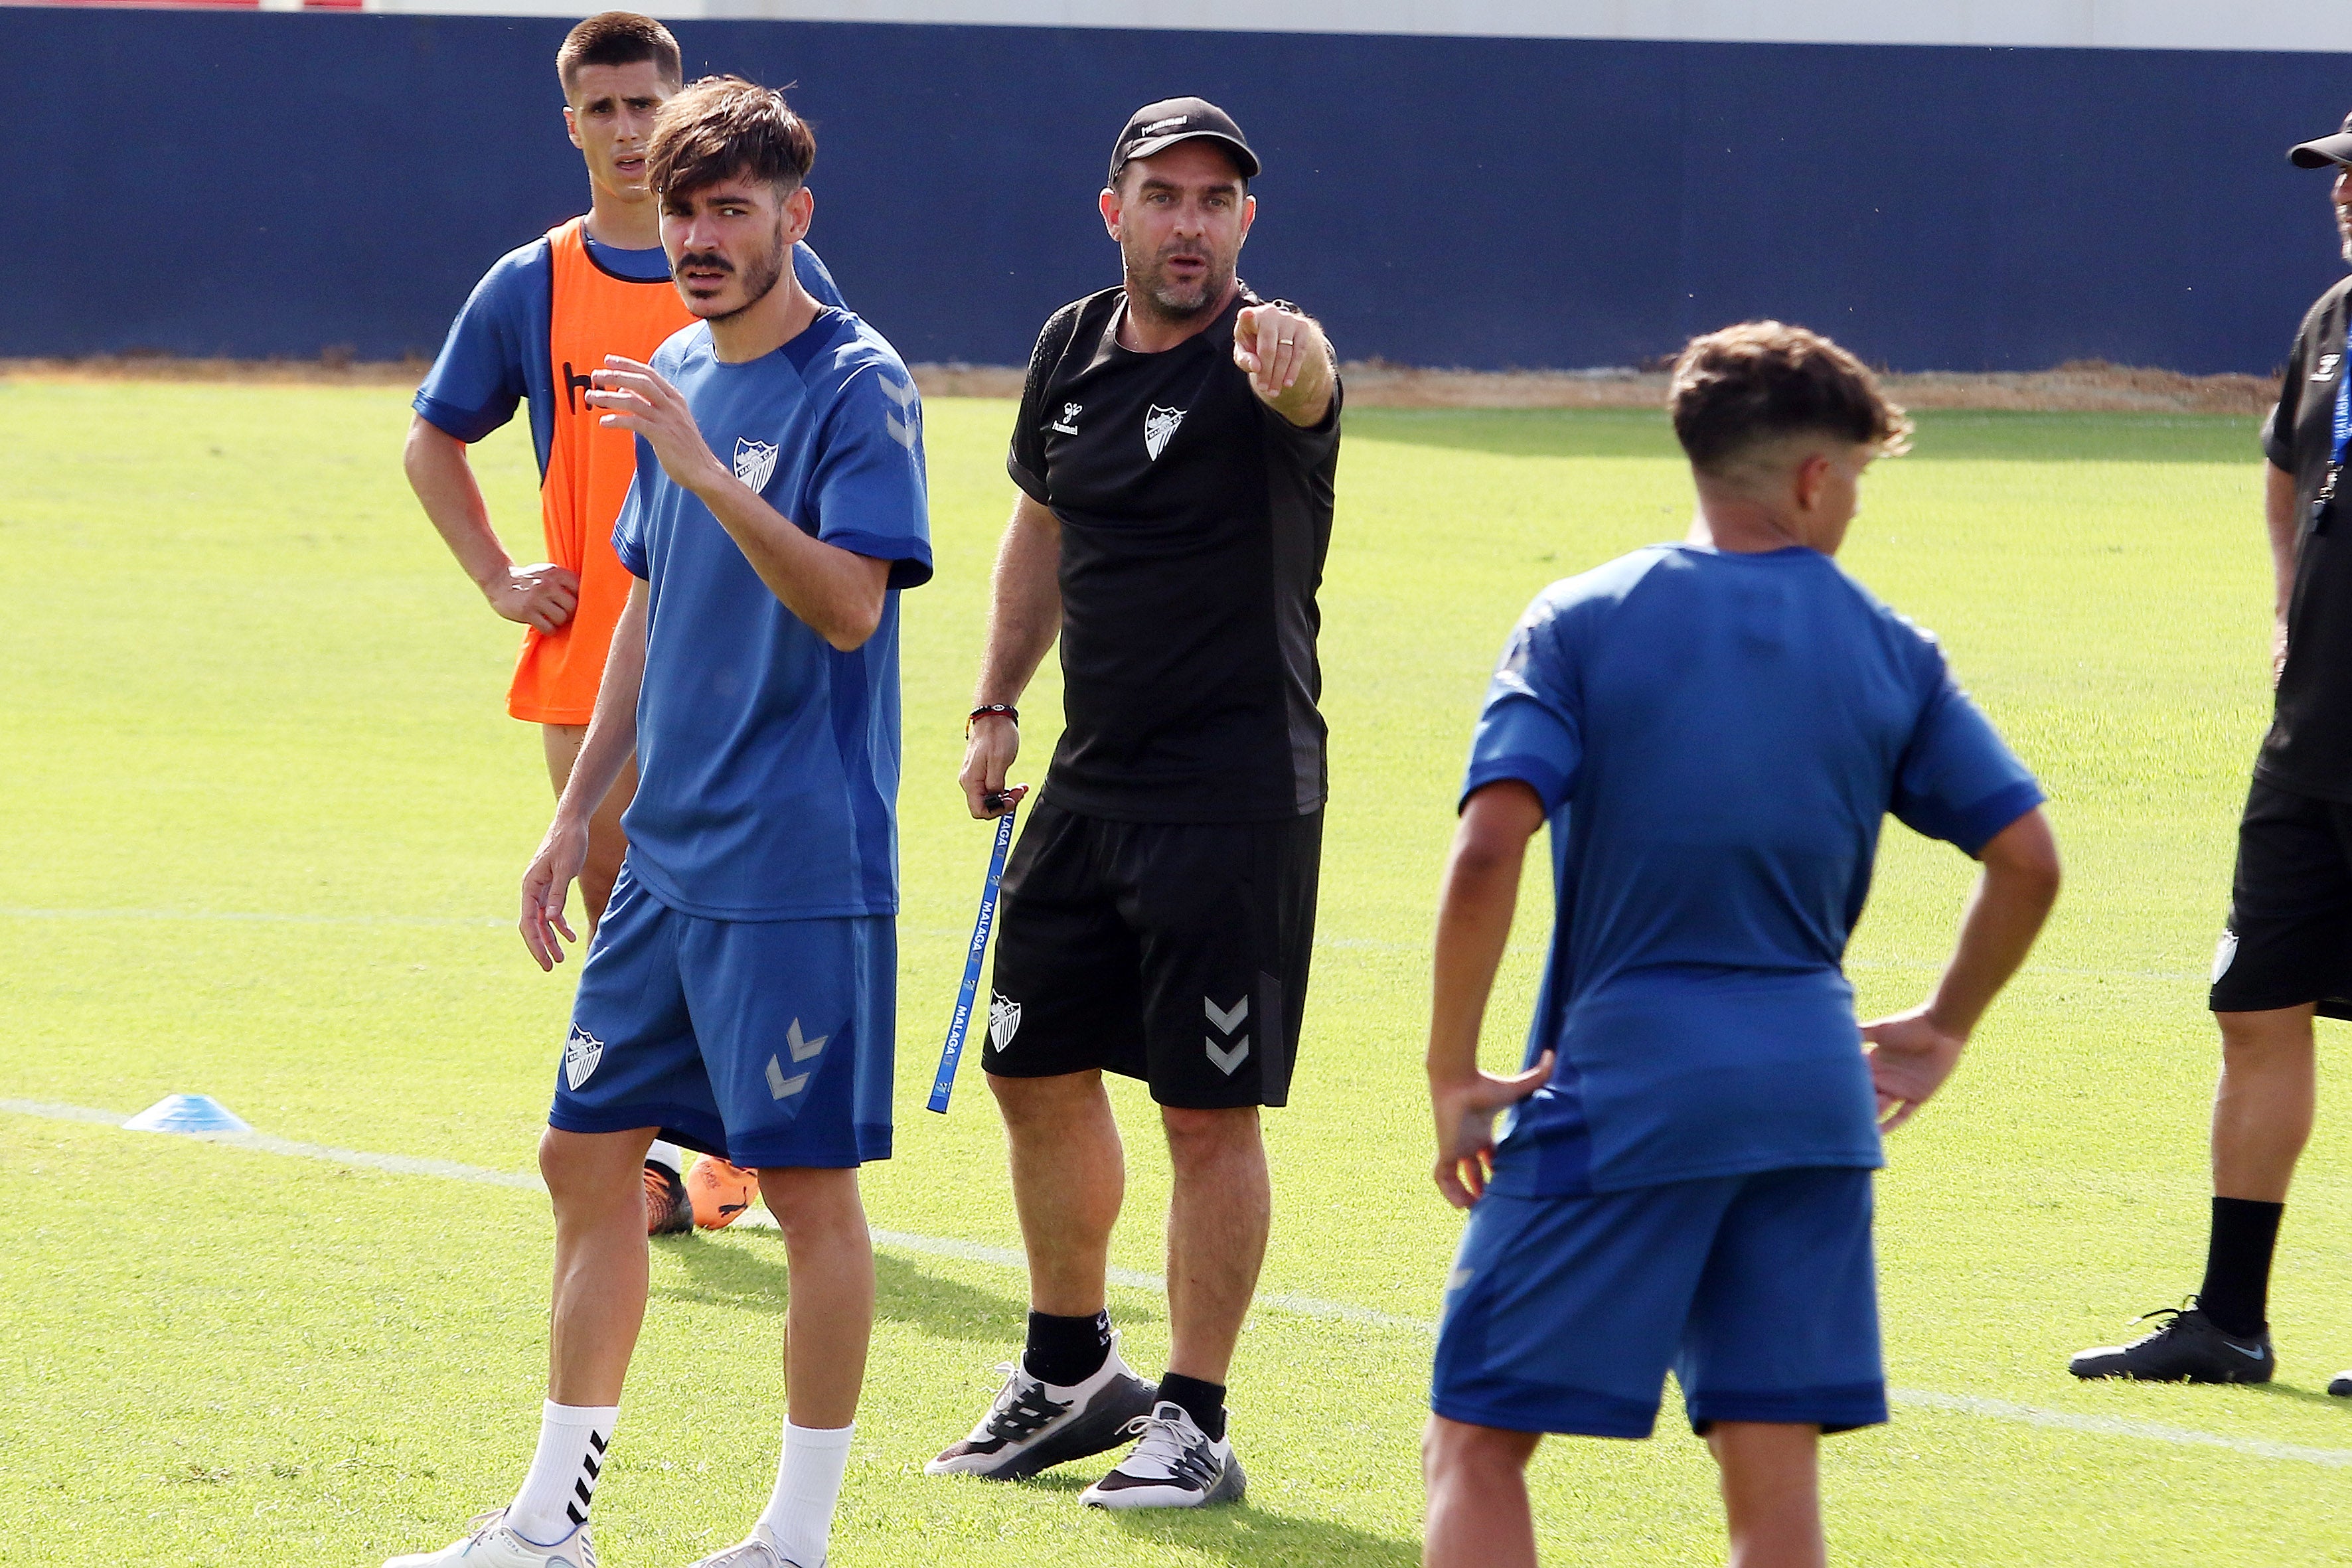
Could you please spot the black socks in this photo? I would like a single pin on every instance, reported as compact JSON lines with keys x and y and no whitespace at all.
{"x":1203,"y":1402}
{"x":2236,"y":1293}
{"x":1066,"y":1351}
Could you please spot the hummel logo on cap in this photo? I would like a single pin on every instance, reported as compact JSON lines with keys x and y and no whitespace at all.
{"x":1159,"y":126}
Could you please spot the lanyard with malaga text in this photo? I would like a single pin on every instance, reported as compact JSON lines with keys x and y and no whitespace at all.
{"x":2324,"y":502}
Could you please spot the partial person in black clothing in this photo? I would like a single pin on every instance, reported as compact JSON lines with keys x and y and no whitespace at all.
{"x":2286,"y":953}
{"x":1174,"y":454}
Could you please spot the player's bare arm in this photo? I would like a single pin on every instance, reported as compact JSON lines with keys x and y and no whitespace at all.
{"x":1288,"y":360}
{"x":2281,"y":520}
{"x":1025,"y":616}
{"x":612,"y":740}
{"x":1475,"y":905}
{"x":1912,"y":1053}
{"x":837,"y":593}
{"x":540,"y":595}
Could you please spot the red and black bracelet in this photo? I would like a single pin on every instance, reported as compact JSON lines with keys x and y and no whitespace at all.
{"x":1004,"y":708}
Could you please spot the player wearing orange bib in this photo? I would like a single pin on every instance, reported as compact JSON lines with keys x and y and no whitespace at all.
{"x":534,"y":329}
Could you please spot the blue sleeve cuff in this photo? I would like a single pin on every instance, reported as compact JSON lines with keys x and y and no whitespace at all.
{"x":632,"y":554}
{"x":467,"y":424}
{"x":909,"y":559}
{"x":1549,"y":785}
{"x":1972,"y":828}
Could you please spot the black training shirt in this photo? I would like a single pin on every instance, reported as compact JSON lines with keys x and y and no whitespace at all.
{"x":2308,"y":751}
{"x":1194,"y":523}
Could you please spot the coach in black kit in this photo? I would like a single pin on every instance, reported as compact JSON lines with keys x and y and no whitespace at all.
{"x":2286,"y":953}
{"x":1174,"y":451}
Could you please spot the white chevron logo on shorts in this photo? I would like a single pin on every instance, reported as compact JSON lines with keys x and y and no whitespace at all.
{"x":801,"y":1047}
{"x":782,"y":1087}
{"x":1226,"y":1020}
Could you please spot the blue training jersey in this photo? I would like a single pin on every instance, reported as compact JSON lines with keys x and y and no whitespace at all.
{"x":767,"y":761}
{"x":1717,"y":738}
{"x":496,"y":354}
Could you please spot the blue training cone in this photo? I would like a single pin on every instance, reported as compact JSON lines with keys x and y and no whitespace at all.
{"x":187,"y":1113}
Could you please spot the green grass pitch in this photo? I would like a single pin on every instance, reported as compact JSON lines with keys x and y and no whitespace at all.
{"x":261,"y":823}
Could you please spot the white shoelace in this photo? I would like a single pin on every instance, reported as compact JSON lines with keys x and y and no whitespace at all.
{"x":1167,"y":1443}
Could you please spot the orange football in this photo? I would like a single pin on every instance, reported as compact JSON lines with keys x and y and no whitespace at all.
{"x":720,"y":1192}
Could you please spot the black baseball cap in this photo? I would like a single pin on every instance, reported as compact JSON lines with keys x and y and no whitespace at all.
{"x":1158,"y":126}
{"x":2336,"y":149}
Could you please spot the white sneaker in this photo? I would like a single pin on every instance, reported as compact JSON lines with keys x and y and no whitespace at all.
{"x":1175,"y":1466}
{"x":1034,"y":1425}
{"x":757,"y":1549}
{"x":489,"y":1543}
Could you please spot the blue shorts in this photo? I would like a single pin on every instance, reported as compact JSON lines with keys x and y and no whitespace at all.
{"x":1759,"y":1292}
{"x":768,"y":1043}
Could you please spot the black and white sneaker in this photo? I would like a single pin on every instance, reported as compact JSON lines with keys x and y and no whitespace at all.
{"x":2189,"y":1348}
{"x":1175,"y":1466}
{"x":2340,"y":1385}
{"x":1034,"y":1425}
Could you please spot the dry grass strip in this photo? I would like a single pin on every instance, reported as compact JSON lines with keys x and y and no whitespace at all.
{"x":2078,"y":386}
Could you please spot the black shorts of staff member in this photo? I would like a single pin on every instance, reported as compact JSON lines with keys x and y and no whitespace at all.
{"x":2289,"y":939}
{"x":1173,"y":953}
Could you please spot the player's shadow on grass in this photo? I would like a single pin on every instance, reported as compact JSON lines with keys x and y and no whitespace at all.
{"x":754,"y":1279}
{"x":1247,"y":1535}
{"x":2276,"y":1390}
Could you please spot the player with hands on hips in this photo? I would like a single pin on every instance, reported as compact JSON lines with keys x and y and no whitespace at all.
{"x":1713,"y":732}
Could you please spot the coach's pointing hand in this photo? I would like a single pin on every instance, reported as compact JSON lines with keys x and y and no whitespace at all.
{"x":641,"y":401}
{"x":1288,"y":361}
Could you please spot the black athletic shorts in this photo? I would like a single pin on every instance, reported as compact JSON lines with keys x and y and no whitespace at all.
{"x":2290,"y":936}
{"x":1172,"y":951}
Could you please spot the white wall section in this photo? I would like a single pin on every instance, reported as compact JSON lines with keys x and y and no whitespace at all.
{"x":2282,"y":25}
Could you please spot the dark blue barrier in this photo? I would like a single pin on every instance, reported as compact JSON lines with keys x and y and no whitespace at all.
{"x":264,"y":184}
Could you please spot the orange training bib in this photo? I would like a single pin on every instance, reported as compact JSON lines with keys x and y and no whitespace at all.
{"x":593,"y":314}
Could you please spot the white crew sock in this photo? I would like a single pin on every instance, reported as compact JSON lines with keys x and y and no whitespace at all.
{"x":555,"y":1495}
{"x":669,"y":1155}
{"x":808,"y":1483}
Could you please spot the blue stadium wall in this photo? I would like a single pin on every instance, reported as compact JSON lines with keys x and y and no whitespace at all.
{"x":256,"y":184}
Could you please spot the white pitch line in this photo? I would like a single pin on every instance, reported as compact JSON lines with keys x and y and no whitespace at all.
{"x":1333,"y":943}
{"x":240,"y":916}
{"x":1299,"y":1306}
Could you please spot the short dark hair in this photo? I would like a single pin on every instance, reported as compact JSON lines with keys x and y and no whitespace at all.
{"x":1760,"y":381}
{"x":618,"y":39}
{"x":724,"y":127}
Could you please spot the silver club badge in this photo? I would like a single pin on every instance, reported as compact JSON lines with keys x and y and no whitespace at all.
{"x":1159,"y":424}
{"x":755,"y":462}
